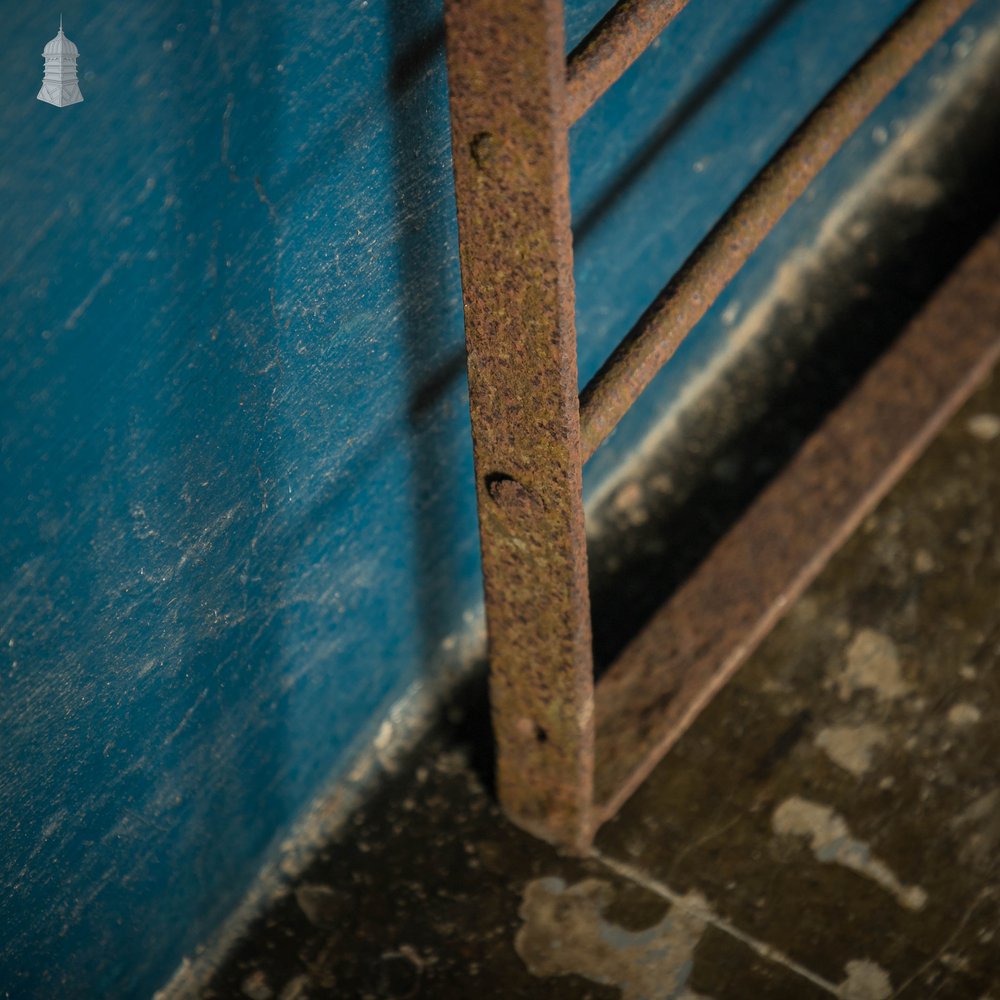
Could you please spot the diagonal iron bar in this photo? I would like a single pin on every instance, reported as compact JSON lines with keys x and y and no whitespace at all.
{"x":690,"y":294}
{"x":622,"y":35}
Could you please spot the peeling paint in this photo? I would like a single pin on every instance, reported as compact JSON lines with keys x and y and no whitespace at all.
{"x":832,"y":843}
{"x":565,"y":933}
{"x":850,"y":747}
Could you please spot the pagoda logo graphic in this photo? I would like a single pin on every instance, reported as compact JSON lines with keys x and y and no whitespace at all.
{"x":59,"y":86}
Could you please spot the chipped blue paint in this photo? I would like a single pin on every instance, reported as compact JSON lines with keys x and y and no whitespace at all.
{"x":236,"y":509}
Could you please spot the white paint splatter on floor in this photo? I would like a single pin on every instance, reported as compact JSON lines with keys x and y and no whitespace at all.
{"x":865,"y":981}
{"x":964,"y":714}
{"x":985,"y":426}
{"x":850,"y":747}
{"x":872,"y":664}
{"x":565,"y":932}
{"x":832,"y":843}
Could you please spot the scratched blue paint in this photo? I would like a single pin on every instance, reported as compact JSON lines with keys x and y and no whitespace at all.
{"x":236,"y":508}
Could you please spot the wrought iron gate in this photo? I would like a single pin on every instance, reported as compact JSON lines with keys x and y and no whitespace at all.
{"x":569,"y":752}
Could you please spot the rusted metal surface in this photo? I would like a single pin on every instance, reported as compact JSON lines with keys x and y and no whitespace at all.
{"x":689,"y":295}
{"x":622,"y":35}
{"x":699,"y":638}
{"x":512,"y":100}
{"x":507,"y":81}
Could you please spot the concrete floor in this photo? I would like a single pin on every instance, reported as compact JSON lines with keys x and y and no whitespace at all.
{"x":829,"y":826}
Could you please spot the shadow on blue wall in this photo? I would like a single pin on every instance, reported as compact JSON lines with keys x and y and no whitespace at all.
{"x":678,"y":117}
{"x":416,"y":34}
{"x":231,"y":527}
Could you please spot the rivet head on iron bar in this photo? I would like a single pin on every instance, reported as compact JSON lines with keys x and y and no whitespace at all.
{"x":510,"y":496}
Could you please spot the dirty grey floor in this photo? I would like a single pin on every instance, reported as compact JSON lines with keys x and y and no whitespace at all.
{"x":830,"y":826}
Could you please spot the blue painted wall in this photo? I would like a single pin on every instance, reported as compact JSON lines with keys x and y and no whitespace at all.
{"x":236,"y":508}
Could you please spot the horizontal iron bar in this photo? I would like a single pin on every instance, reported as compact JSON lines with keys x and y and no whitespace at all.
{"x":620,"y":37}
{"x":699,"y":638}
{"x":700,"y":281}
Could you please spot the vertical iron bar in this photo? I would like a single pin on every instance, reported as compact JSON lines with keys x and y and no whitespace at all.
{"x":507,"y":80}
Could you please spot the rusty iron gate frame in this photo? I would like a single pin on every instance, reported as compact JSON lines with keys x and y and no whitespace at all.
{"x":569,"y":752}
